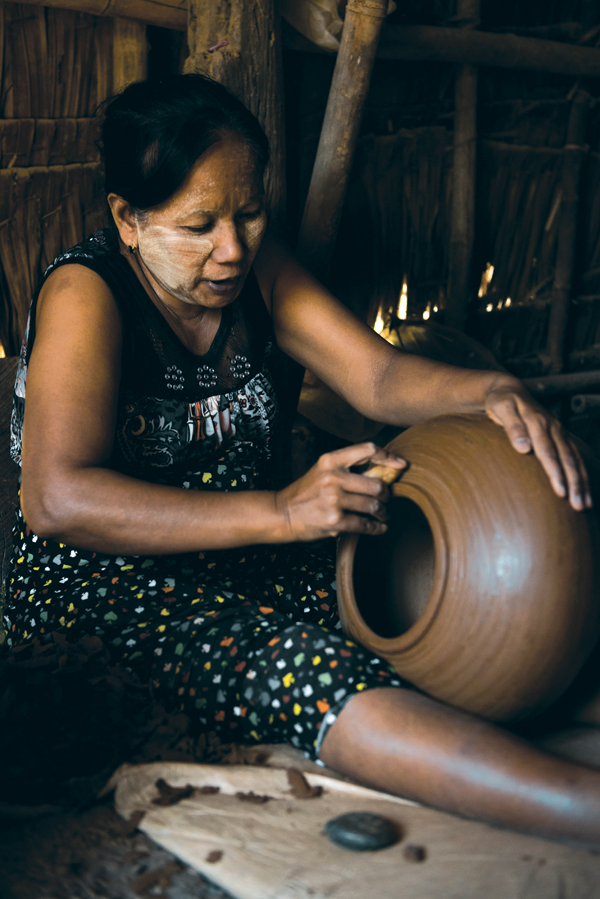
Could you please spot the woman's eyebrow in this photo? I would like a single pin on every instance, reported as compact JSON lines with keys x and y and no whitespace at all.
{"x":253,"y":199}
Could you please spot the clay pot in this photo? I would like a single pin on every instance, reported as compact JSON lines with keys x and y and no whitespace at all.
{"x":484,"y":591}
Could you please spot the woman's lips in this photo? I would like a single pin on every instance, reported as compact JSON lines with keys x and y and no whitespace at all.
{"x":225,"y":285}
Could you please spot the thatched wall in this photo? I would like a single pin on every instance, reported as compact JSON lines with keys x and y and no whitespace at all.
{"x":55,"y":68}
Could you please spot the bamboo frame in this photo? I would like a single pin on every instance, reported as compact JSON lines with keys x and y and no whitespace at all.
{"x":349,"y":87}
{"x":555,"y":385}
{"x":429,"y":43}
{"x":425,"y":43}
{"x":462,"y":225}
{"x":165,"y":13}
{"x":574,"y":153}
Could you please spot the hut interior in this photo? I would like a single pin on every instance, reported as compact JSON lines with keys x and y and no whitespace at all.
{"x":467,"y":228}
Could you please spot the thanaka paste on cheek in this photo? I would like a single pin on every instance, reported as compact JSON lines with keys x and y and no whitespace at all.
{"x":180,"y":261}
{"x":175,"y":259}
{"x":198,"y":247}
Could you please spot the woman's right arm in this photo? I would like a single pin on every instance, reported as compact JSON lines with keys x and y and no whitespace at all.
{"x":69,"y":494}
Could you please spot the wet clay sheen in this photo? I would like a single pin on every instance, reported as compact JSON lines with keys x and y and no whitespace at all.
{"x":484,"y":592}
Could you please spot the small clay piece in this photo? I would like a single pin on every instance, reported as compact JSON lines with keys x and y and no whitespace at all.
{"x":362,"y":831}
{"x":415,"y":853}
{"x":253,"y":797}
{"x":207,"y":791}
{"x":171,"y":795}
{"x":133,"y":823}
{"x":236,"y":754}
{"x":483,"y":591}
{"x":215,"y":856}
{"x":301,"y":789}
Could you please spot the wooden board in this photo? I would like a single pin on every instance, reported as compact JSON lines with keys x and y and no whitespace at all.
{"x":277,"y":849}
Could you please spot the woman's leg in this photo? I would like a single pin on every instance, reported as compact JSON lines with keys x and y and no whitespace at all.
{"x":406,"y":743}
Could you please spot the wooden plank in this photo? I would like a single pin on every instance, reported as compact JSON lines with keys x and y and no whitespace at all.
{"x":250,"y":66}
{"x":165,"y":13}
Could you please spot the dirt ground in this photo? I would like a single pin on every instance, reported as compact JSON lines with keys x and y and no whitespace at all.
{"x":92,"y":854}
{"x":68,"y":719}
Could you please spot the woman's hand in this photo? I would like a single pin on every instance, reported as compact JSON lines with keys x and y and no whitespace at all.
{"x":330,"y":499}
{"x":531,"y":428}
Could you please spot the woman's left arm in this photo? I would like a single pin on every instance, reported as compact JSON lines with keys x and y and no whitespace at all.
{"x":393,"y":387}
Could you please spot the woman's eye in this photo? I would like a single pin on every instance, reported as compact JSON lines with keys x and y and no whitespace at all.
{"x":200,"y":229}
{"x":251,"y":215}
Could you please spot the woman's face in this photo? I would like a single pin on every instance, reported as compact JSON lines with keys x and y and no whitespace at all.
{"x":198,"y":246}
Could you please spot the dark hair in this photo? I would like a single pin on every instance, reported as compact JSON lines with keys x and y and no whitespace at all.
{"x":154,"y":132}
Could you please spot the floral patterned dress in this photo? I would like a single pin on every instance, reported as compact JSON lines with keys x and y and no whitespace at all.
{"x":246,"y":641}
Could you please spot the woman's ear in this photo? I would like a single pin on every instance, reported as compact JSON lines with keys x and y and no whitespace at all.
{"x":125,"y":219}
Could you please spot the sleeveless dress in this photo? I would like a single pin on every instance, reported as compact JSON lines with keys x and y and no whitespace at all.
{"x":245,"y":641}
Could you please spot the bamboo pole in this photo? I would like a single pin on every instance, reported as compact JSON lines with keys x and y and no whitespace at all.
{"x":425,"y":43}
{"x":165,"y":13}
{"x":574,"y":153}
{"x":462,"y":221}
{"x":555,"y":385}
{"x":585,"y":402}
{"x":130,"y":53}
{"x":339,"y":133}
{"x":429,"y":43}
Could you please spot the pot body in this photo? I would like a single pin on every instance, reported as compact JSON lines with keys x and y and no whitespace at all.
{"x":484,"y":593}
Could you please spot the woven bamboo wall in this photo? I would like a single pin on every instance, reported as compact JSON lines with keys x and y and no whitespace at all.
{"x":397,"y":214}
{"x":55,"y":68}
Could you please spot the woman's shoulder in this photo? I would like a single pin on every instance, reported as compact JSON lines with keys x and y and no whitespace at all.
{"x":96,"y":251}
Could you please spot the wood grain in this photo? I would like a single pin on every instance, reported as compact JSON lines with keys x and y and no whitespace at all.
{"x":250,"y":66}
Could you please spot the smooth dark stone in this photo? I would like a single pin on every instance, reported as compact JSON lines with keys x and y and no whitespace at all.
{"x":362,"y":831}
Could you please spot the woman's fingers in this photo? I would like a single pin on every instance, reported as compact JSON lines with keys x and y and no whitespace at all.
{"x":505,"y":413}
{"x":356,"y":524}
{"x":530,"y":427}
{"x":560,"y":460}
{"x":366,"y":505}
{"x":360,"y":454}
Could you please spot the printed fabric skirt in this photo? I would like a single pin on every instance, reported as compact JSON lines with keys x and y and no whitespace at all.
{"x":247,"y":642}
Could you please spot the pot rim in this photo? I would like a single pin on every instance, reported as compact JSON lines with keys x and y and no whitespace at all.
{"x":406,"y":641}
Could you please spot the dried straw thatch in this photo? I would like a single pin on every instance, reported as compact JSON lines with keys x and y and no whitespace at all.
{"x":56,"y":67}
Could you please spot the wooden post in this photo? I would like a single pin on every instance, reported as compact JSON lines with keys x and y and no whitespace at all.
{"x":574,"y":153}
{"x":462,"y":216}
{"x":130,"y":53}
{"x":249,"y":64}
{"x":339,"y":133}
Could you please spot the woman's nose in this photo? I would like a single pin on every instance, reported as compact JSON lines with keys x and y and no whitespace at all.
{"x":227,"y":247}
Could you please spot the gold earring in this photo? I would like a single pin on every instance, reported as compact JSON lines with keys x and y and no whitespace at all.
{"x":132,"y":250}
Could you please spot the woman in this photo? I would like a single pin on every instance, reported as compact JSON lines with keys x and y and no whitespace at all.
{"x":148,"y":443}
